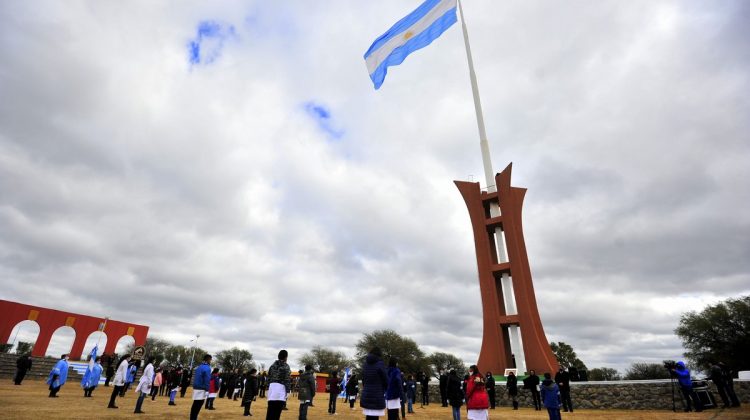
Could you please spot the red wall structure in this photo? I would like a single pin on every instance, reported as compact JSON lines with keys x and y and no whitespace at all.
{"x":495,"y":354}
{"x":49,"y":320}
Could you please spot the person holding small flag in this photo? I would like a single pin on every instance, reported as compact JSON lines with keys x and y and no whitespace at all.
{"x":93,"y":373}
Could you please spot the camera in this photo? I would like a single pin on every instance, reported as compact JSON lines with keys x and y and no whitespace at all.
{"x":670,"y":364}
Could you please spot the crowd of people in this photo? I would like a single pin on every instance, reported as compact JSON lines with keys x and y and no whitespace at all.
{"x":386,"y":391}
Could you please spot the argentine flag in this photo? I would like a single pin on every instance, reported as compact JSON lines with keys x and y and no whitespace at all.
{"x":417,"y":30}
{"x":92,"y":375}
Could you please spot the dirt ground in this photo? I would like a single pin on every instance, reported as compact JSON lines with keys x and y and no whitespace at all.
{"x":30,"y":401}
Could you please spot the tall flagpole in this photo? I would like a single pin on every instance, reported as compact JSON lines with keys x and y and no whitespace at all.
{"x":489,"y":174}
{"x":506,"y":282}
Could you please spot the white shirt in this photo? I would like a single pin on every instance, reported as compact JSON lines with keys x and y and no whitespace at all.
{"x":144,"y":385}
{"x":122,"y":373}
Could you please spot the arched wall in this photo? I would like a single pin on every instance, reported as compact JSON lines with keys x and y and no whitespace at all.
{"x":50,"y":320}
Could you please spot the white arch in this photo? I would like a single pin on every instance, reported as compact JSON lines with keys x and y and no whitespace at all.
{"x":125,"y":343}
{"x":96,"y":337}
{"x":26,"y":331}
{"x":61,"y":342}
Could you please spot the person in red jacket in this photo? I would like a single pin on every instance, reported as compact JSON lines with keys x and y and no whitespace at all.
{"x":477,"y":400}
{"x":213,"y":388}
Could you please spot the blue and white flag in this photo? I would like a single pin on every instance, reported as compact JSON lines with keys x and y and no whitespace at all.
{"x":91,"y":377}
{"x":344,"y":381}
{"x":417,"y":30}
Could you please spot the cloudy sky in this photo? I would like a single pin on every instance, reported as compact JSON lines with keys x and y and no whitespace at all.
{"x":227,"y":169}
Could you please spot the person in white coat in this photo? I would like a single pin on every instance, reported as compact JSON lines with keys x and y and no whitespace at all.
{"x":119,"y":381}
{"x":144,"y":385}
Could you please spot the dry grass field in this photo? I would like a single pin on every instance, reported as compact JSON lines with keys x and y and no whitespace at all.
{"x":30,"y":401}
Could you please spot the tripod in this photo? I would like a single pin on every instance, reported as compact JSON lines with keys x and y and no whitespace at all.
{"x":671,"y":380}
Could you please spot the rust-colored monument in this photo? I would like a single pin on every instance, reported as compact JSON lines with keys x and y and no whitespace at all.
{"x":513,"y":334}
{"x":49,"y":320}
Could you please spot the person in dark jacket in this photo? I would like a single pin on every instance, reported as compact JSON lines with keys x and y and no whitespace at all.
{"x":443,"y":380}
{"x":352,"y":389}
{"x":374,"y":383}
{"x":333,"y":392}
{"x":411,"y":393}
{"x":531,"y":383}
{"x":393,"y":389}
{"x":279,"y":385}
{"x":201,"y":384}
{"x":306,"y":391}
{"x":424,"y":380}
{"x":718,"y":378}
{"x":455,"y":394}
{"x":251,"y":390}
{"x":550,"y":397}
{"x":562,"y":378}
{"x":686,"y":386}
{"x":23,"y":365}
{"x":489,"y":384}
{"x":511,"y":384}
{"x":729,"y":376}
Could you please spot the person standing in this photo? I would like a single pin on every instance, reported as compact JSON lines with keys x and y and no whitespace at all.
{"x":455,"y":394}
{"x":91,"y":378}
{"x":477,"y":400}
{"x":729,"y":376}
{"x":279,"y":385}
{"x":411,"y":393}
{"x":443,"y":380}
{"x":306,"y":390}
{"x":352,"y":389}
{"x":550,"y":396}
{"x":201,"y":384}
{"x":511,"y":384}
{"x":263,"y":381}
{"x":129,"y":378}
{"x":393,"y":389}
{"x":58,"y":375}
{"x":158,"y":382}
{"x":23,"y":365}
{"x":489,"y":383}
{"x":531,"y":383}
{"x":374,"y":383}
{"x":144,"y":385}
{"x":173,"y":383}
{"x":333,"y":392}
{"x":686,"y":386}
{"x":424,"y":380}
{"x":213,"y":388}
{"x":119,"y":380}
{"x":110,"y":370}
{"x":251,"y":390}
{"x":562,"y":378}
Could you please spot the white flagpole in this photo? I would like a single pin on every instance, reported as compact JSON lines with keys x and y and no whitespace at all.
{"x":489,"y":174}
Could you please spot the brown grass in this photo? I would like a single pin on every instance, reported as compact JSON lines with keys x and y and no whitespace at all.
{"x":30,"y":401}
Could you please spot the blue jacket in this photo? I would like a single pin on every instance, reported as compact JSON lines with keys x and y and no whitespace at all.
{"x":683,"y":376}
{"x":374,"y":382}
{"x":550,"y":394}
{"x":202,"y":377}
{"x":395,"y":386}
{"x":61,"y":371}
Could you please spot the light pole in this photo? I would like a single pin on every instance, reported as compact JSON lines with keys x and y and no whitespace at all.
{"x":192,"y":357}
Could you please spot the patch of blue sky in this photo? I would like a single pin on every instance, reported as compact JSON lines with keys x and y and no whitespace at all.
{"x":322,"y":116}
{"x":209,"y":41}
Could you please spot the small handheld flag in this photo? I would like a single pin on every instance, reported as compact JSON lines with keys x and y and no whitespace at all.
{"x":417,"y":30}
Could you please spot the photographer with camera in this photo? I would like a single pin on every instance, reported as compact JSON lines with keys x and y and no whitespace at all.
{"x":682,"y":374}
